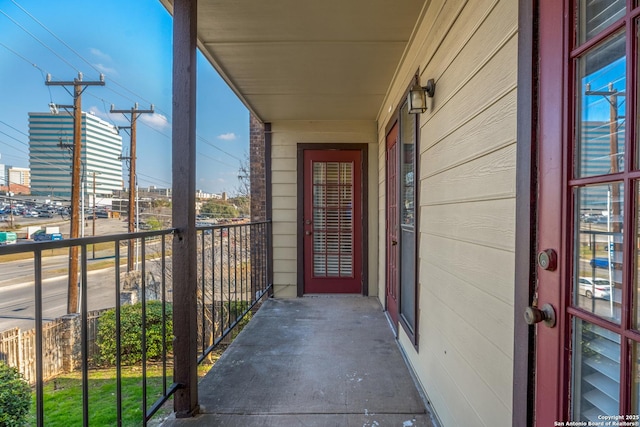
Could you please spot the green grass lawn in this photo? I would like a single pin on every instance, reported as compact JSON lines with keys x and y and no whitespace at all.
{"x":63,"y":396}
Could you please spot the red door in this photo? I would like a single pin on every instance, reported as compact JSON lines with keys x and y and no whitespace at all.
{"x":332,"y":221}
{"x":392,"y":225}
{"x":587,"y":364}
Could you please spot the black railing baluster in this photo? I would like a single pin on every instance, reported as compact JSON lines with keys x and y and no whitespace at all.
{"x":37,"y":261}
{"x":164,"y":316}
{"x":202,"y":290}
{"x":143,"y":283}
{"x":84,"y":338}
{"x":235,"y":273}
{"x":245,"y":249}
{"x":118,"y":342}
{"x":228,"y":300}
{"x":213,"y":286}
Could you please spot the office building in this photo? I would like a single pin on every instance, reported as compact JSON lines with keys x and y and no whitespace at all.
{"x":51,"y":155}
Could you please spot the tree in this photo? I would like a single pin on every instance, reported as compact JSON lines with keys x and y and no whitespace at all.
{"x":219,"y":209}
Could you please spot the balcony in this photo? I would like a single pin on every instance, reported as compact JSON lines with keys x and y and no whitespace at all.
{"x":316,"y":360}
{"x":312,"y":361}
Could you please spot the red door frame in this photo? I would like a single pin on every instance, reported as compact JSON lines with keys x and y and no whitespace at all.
{"x":361,"y":239}
{"x":392,"y":224}
{"x":551,"y":363}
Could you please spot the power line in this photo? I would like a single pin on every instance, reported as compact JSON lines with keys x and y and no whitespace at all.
{"x":39,"y":41}
{"x":33,"y":64}
{"x":215,"y":160}
{"x":54,"y":35}
{"x":201,"y":138}
{"x":218,"y":148}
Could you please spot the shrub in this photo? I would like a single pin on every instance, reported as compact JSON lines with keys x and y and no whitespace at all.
{"x":131,"y":333}
{"x":15,"y":396}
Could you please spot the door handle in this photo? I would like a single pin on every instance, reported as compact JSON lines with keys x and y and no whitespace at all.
{"x":308,"y":222}
{"x":547,"y":315}
{"x":394,"y":242}
{"x":308,"y":233}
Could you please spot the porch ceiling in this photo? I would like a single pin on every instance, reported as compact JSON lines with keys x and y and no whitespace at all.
{"x":312,"y":60}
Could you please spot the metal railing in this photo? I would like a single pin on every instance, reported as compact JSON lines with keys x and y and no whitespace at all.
{"x":233,"y":271}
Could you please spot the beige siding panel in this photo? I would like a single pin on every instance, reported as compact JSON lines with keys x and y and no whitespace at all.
{"x":438,"y":18}
{"x":481,"y":29}
{"x":284,"y":265}
{"x":280,"y":152}
{"x":284,"y":215}
{"x":284,"y":177}
{"x":286,"y":136}
{"x":486,"y":223}
{"x":287,"y":202}
{"x":284,"y":190}
{"x":469,"y":297}
{"x":489,"y":131}
{"x":458,"y":356}
{"x":284,"y":229}
{"x":282,"y":290}
{"x":455,"y":105}
{"x":487,"y":178}
{"x":467,"y":157}
{"x":283,"y":164}
{"x":285,"y":253}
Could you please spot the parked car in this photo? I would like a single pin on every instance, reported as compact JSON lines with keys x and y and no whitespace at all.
{"x":41,"y":236}
{"x":598,"y":288}
{"x":599,"y":262}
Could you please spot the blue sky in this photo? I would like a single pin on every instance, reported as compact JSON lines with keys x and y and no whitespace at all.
{"x":130,"y":42}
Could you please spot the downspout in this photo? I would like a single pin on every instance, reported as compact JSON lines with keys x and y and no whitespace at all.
{"x":268,"y":205}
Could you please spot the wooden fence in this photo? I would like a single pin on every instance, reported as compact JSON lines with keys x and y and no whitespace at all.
{"x":61,"y":346}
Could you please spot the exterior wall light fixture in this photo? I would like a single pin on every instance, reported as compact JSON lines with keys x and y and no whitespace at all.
{"x":417,"y":98}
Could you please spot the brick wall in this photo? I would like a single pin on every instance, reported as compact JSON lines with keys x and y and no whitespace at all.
{"x":257,"y":169}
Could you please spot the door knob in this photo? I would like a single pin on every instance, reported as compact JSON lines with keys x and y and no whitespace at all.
{"x":547,"y":315}
{"x":308,"y":233}
{"x":394,"y":242}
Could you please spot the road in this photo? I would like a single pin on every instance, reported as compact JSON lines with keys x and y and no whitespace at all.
{"x":17,"y":301}
{"x":17,"y":293}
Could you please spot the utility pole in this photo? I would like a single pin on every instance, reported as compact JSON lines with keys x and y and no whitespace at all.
{"x":614,"y":227}
{"x":79,"y":87}
{"x":134,"y":114}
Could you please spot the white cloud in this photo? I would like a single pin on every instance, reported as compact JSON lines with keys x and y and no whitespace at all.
{"x":105,"y":70}
{"x":100,"y":54}
{"x":155,"y":120}
{"x":99,"y":113}
{"x":230,"y":136}
{"x":102,"y":59}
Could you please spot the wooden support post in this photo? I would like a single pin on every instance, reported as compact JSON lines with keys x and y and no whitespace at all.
{"x":184,"y":211}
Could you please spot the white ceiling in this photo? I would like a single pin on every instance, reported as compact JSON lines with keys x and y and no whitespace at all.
{"x":307,"y":59}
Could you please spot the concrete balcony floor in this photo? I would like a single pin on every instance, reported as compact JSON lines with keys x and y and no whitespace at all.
{"x":312,"y":361}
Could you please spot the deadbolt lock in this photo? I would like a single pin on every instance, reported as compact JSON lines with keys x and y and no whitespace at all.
{"x":547,"y":315}
{"x":548,"y":260}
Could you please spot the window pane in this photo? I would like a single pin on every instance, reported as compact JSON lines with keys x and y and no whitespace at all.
{"x":636,"y":291}
{"x":596,"y":15}
{"x":598,"y":246}
{"x":596,"y":372}
{"x":408,"y":153}
{"x":600,"y":124}
{"x":635,"y":362}
{"x":332,"y":219}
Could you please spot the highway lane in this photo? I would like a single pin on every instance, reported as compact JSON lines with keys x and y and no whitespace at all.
{"x":17,"y":302}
